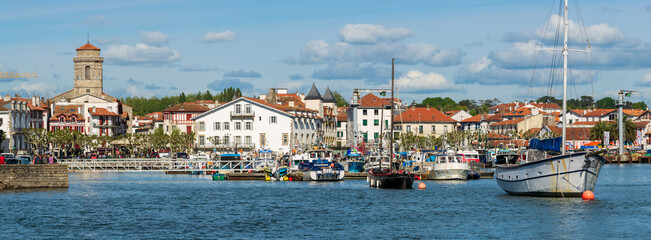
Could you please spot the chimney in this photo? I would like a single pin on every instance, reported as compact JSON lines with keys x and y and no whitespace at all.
{"x":428,"y":107}
{"x":7,"y":98}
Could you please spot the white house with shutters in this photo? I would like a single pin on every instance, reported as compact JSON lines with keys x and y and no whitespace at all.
{"x":249,"y":124}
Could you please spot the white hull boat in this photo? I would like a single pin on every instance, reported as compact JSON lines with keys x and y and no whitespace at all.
{"x":560,"y":176}
{"x":324,"y":174}
{"x":449,"y":167}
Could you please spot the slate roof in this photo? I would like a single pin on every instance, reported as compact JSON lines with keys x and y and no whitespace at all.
{"x":313,"y":94}
{"x":328,"y":97}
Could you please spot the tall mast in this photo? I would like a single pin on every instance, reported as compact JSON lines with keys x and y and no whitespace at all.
{"x":391,"y":137}
{"x":565,"y":52}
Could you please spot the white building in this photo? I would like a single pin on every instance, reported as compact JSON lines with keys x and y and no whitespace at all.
{"x":14,"y":118}
{"x":371,"y":111}
{"x":248,"y":124}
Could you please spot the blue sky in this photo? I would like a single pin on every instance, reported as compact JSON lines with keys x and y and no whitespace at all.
{"x":460,"y":49}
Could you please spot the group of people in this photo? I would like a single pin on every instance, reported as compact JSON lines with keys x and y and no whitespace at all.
{"x":43,"y":159}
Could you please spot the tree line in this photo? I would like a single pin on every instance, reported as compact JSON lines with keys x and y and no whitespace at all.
{"x":144,"y":105}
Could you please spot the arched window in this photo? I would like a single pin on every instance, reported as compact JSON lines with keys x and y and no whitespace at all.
{"x":87,"y":73}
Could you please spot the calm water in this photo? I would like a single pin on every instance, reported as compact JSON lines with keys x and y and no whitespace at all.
{"x":155,"y":205}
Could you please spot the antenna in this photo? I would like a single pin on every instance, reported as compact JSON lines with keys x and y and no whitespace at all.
{"x":88,"y":38}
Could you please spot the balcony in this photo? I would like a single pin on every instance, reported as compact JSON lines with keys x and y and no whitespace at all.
{"x":228,"y":145}
{"x":250,"y":114}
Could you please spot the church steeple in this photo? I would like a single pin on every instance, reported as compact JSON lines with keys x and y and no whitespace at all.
{"x":88,"y":70}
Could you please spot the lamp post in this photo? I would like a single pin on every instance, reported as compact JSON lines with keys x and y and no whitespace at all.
{"x":620,"y":105}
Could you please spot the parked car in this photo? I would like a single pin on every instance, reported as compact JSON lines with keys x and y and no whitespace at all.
{"x":10,"y":158}
{"x":24,"y":159}
{"x":181,"y":155}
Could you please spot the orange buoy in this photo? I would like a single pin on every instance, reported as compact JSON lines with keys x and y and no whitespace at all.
{"x":587,"y":195}
{"x":421,"y":185}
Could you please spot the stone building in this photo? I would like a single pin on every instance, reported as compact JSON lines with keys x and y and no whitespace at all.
{"x":89,"y":91}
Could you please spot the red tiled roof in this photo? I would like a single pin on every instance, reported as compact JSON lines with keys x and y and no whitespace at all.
{"x":88,"y":46}
{"x":599,"y":112}
{"x":546,"y":105}
{"x":186,"y":107}
{"x":641,"y":124}
{"x":573,"y":133}
{"x":3,"y":108}
{"x":450,"y":113}
{"x":423,"y":115}
{"x":342,"y":117}
{"x":519,"y":112}
{"x":508,"y":122}
{"x":589,"y":123}
{"x":506,"y":106}
{"x":372,"y":101}
{"x":95,"y":111}
{"x":281,"y":107}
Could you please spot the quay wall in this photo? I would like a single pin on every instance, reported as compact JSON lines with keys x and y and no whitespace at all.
{"x":23,"y":176}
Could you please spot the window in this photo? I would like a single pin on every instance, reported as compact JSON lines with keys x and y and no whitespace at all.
{"x":238,"y":140}
{"x":445,"y":129}
{"x":376,"y":122}
{"x":238,"y":126}
{"x":272,"y":119}
{"x":202,"y":140}
{"x":217,"y":126}
{"x":433,"y":129}
{"x":364,"y":112}
{"x":386,"y":123}
{"x":420,"y":129}
{"x":247,"y":108}
{"x":408,"y":128}
{"x":247,"y":140}
{"x":238,"y":108}
{"x":87,"y":90}
{"x":225,"y":140}
{"x":338,"y":124}
{"x":364,"y":122}
{"x":226,"y":126}
{"x":202,"y":126}
{"x":87,"y":73}
{"x":365,"y":137}
{"x":188,"y":116}
{"x":285,"y":139}
{"x":376,"y":112}
{"x":247,"y":126}
{"x":215,"y":140}
{"x":376,"y":135}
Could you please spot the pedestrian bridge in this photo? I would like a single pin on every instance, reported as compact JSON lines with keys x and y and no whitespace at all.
{"x":159,"y":164}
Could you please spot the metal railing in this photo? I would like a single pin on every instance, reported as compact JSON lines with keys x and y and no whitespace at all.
{"x":243,"y":114}
{"x":162,"y":164}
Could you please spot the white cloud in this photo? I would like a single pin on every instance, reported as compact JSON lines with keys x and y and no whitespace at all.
{"x":141,"y":54}
{"x":219,"y":36}
{"x":154,"y":38}
{"x":41,"y":88}
{"x":416,"y":81}
{"x":645,"y":81}
{"x":369,"y":33}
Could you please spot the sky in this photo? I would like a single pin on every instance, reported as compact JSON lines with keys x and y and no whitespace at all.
{"x":460,"y":49}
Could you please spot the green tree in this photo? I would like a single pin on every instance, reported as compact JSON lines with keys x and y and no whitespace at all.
{"x":597,"y":131}
{"x":606,"y":102}
{"x":341,"y":102}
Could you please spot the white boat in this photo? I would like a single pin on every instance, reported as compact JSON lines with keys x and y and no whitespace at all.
{"x":567,"y":175}
{"x":449,"y":167}
{"x":564,"y":175}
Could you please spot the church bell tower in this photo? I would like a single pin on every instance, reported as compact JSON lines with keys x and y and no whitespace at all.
{"x":88,"y":71}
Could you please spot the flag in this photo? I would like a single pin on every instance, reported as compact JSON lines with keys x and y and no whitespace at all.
{"x":606,"y":138}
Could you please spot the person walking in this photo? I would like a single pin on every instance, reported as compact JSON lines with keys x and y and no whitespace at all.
{"x":37,"y":159}
{"x":2,"y":159}
{"x":51,"y":160}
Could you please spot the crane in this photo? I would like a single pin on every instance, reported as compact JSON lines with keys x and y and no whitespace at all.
{"x":18,"y":75}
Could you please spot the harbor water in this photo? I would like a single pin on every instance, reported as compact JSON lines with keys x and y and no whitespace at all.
{"x":149,"y":205}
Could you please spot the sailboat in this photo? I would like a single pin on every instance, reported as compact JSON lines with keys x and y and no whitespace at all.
{"x":540,"y":174}
{"x":389,"y":178}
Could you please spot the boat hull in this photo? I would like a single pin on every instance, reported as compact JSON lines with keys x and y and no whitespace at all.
{"x":324,"y":175}
{"x":561,"y":176}
{"x":391,"y":180}
{"x":449,"y":171}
